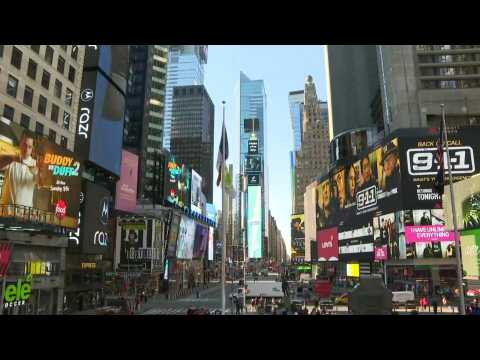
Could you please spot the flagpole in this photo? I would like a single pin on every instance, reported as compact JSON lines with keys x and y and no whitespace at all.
{"x":224,"y":247}
{"x":454,"y":215}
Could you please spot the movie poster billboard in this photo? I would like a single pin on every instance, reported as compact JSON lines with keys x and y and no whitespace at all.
{"x":186,"y":238}
{"x":201,"y":241}
{"x":254,"y":222}
{"x":39,"y":180}
{"x":196,"y":192}
{"x":177,"y":184}
{"x":467,"y":204}
{"x":470,"y":240}
{"x":173,"y":235}
{"x":298,"y":238}
{"x":126,"y":194}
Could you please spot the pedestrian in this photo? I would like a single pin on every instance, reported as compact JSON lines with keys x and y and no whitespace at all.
{"x":434,"y":304}
{"x":137,"y":303}
{"x":237,"y":305}
{"x":145,"y":297}
{"x":240,"y":303}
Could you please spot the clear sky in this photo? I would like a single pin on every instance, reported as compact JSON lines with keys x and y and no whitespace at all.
{"x":283,"y":69}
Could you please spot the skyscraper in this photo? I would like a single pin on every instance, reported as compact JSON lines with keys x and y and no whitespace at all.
{"x":144,"y":125}
{"x":253,"y":150}
{"x":295,"y":101}
{"x":312,"y":159}
{"x":193,"y":130}
{"x":186,"y":65}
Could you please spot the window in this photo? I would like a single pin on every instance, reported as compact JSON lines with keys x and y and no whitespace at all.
{"x":66,"y":120}
{"x":28,"y":96}
{"x":63,"y":142}
{"x":58,"y":89}
{"x":61,"y":64}
{"x":52,"y":135}
{"x":71,"y":74}
{"x":39,"y":128}
{"x":46,"y":79}
{"x":16,"y":58}
{"x":54,"y":113}
{"x":49,"y":54}
{"x":8,"y":112}
{"x":42,"y":105}
{"x":74,"y":52}
{"x":68,"y":97}
{"x":12,"y":86}
{"x":32,"y":69}
{"x":25,"y":121}
{"x":1,"y":51}
{"x":35,"y":48}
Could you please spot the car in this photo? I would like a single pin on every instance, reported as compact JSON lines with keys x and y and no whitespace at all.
{"x":342,"y":299}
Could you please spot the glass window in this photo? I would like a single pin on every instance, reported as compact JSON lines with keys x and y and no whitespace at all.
{"x":66,"y":120}
{"x":63,"y":142}
{"x":28,"y":96}
{"x":8,"y":112}
{"x":52,"y":135}
{"x":32,"y":69}
{"x":49,"y":54}
{"x":25,"y":121}
{"x":54,"y":113}
{"x":68,"y":97}
{"x":74,"y":52}
{"x":71,"y":74}
{"x":16,"y":58}
{"x":58,"y":89}
{"x":12,"y":86}
{"x":46,"y":79}
{"x":39,"y":128}
{"x":35,"y":48}
{"x":61,"y":64}
{"x":42,"y":105}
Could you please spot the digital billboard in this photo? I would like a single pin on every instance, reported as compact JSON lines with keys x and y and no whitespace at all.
{"x":210,"y":243}
{"x":297,"y":227}
{"x":353,"y":270}
{"x":201,"y":241}
{"x":132,"y":236}
{"x":253,"y":163}
{"x":470,"y":240}
{"x":254,"y":222}
{"x":186,"y":238}
{"x":173,"y":235}
{"x":111,"y":59}
{"x":196,"y":193}
{"x":327,"y":244}
{"x":253,"y":147}
{"x":251,"y":125}
{"x":126,"y":194}
{"x":39,"y":180}
{"x":177,"y":183}
{"x":467,"y":204}
{"x":95,"y":231}
{"x":211,"y":212}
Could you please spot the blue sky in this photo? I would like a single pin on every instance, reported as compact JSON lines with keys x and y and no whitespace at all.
{"x":283,"y":69}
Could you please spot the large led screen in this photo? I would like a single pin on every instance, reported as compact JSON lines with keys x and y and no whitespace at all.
{"x":39,"y":180}
{"x":126,"y":194}
{"x":177,"y":183}
{"x":297,"y":227}
{"x":201,"y":241}
{"x":196,"y":197}
{"x":186,"y":238}
{"x":254,"y":222}
{"x":173,"y":235}
{"x":210,"y":243}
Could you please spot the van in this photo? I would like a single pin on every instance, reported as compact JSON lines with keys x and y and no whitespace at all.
{"x":402,"y":296}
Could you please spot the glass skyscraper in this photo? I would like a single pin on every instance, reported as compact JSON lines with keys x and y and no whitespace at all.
{"x":186,"y":65}
{"x":295,"y":102}
{"x":253,"y":109}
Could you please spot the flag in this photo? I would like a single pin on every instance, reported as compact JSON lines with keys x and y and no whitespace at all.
{"x":439,"y":180}
{"x":220,"y":164}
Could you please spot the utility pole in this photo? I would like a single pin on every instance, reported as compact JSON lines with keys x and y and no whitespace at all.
{"x":224,"y":247}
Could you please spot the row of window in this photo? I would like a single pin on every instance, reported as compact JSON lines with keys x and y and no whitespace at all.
{"x":12,"y":89}
{"x":49,"y":51}
{"x":427,"y":59}
{"x":9,"y":113}
{"x":445,"y":47}
{"x":16,"y":61}
{"x":449,"y":71}
{"x":450,"y":84}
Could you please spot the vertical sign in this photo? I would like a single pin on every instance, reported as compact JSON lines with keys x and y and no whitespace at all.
{"x":254,"y":222}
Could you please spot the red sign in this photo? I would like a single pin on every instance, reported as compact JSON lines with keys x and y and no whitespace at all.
{"x":327,"y":244}
{"x":323,"y":288}
{"x":5,"y":254}
{"x":126,"y":197}
{"x":60,"y":209}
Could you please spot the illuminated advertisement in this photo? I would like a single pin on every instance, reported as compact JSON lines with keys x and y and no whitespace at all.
{"x":210,"y":243}
{"x":253,"y":163}
{"x":201,"y":241}
{"x":173,"y":235}
{"x":186,"y":238}
{"x":467,"y":204}
{"x":253,"y":147}
{"x":196,"y":193}
{"x":254,"y":222}
{"x":297,"y":238}
{"x":39,"y":180}
{"x":470,"y":240}
{"x":211,"y":212}
{"x":327,"y":244}
{"x":177,"y":184}
{"x":126,"y":194}
{"x":16,"y":294}
{"x":132,"y":235}
{"x":353,"y":270}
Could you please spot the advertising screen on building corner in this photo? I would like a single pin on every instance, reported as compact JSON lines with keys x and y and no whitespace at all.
{"x":254,"y":222}
{"x":126,"y":194}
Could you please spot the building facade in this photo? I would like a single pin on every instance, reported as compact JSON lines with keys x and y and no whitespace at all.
{"x":186,"y":66}
{"x":39,"y":88}
{"x":253,"y":129}
{"x":313,"y":158}
{"x":144,"y":120}
{"x":193,"y":130}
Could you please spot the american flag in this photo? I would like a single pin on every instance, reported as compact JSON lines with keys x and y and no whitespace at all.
{"x":5,"y":253}
{"x":439,"y":180}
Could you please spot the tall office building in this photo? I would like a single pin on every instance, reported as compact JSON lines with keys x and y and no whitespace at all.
{"x":295,"y":102}
{"x":186,"y":65}
{"x":144,"y":120}
{"x":253,"y":153}
{"x":312,"y":159}
{"x":193,"y":130}
{"x":40,"y":88}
